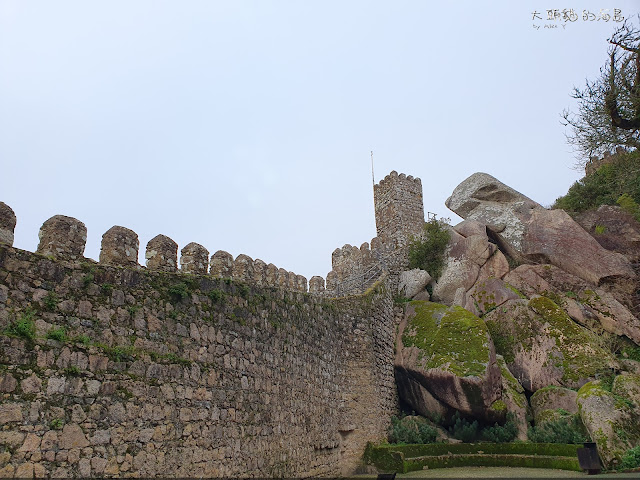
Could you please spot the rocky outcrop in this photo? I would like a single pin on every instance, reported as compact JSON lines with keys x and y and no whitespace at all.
{"x":412,"y":282}
{"x":550,"y":399}
{"x":552,"y":236}
{"x":540,"y":235}
{"x":543,"y":346}
{"x":486,"y":295}
{"x":614,"y":229}
{"x":514,"y":399}
{"x":484,"y":198}
{"x":464,"y":258}
{"x":590,"y":306}
{"x":611,"y":422}
{"x":449,"y":352}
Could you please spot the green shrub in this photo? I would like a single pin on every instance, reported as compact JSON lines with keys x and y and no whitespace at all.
{"x":24,"y":327}
{"x":58,"y":334}
{"x":56,"y":424}
{"x":179,"y":291}
{"x":216,"y":295}
{"x":106,"y":288}
{"x":464,"y":430}
{"x":562,"y":430}
{"x":50,"y":301}
{"x":502,"y":433}
{"x":605,"y":186}
{"x":600,"y":229}
{"x":629,"y":205}
{"x":428,"y":253}
{"x":82,"y":339}
{"x":631,"y":458}
{"x":405,"y":430}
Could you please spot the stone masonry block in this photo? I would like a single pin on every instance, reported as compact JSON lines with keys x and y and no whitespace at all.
{"x":119,"y":247}
{"x":194,"y":258}
{"x":162,"y":254}
{"x":63,"y":238}
{"x":7,"y":224}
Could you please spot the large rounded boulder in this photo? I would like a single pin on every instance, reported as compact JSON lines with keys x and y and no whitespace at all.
{"x":449,"y":353}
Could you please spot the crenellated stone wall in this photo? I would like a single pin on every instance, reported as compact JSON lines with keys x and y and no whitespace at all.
{"x":399,"y":214}
{"x":139,"y":372}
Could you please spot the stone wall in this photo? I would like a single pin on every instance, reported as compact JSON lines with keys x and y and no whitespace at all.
{"x":399,"y":208}
{"x":139,"y":372}
{"x":399,"y":217}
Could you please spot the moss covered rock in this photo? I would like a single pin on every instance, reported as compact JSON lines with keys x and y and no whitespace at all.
{"x":552,"y":398}
{"x":514,"y":399}
{"x":449,"y":352}
{"x":611,"y":420}
{"x":543,"y":346}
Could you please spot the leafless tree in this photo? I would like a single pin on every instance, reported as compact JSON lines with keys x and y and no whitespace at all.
{"x":608,"y":114}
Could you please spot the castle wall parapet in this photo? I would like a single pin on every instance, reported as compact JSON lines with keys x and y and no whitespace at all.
{"x":162,"y":254}
{"x":119,"y":247}
{"x":62,"y":238}
{"x":7,"y":224}
{"x":194,"y":258}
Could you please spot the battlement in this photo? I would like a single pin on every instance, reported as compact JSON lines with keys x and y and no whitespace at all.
{"x":595,"y":163}
{"x":64,"y":238}
{"x":399,"y":208}
{"x":399,"y":215}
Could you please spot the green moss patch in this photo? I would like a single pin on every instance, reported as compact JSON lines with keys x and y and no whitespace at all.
{"x":449,"y":338}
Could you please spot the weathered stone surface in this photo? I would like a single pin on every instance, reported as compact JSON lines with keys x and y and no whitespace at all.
{"x":553,"y":398}
{"x":543,"y":346}
{"x":316,"y":284}
{"x":282,"y":278}
{"x":8,"y":383}
{"x":466,"y":228}
{"x":332,"y":281}
{"x":72,"y":437}
{"x":194,"y":258}
{"x":62,"y":238}
{"x":10,"y":412}
{"x":7,"y":224}
{"x":270,"y":275}
{"x":259,"y":272}
{"x":31,"y":384}
{"x":514,"y":399}
{"x":162,"y":254}
{"x":301,"y":283}
{"x":588,"y":305}
{"x":119,"y":247}
{"x":627,"y":385}
{"x":464,"y":257}
{"x":221,"y":264}
{"x":487,"y":295}
{"x":552,"y":236}
{"x":485,"y":199}
{"x":420,"y":399}
{"x":617,"y":230}
{"x":242,"y":268}
{"x":496,"y":266}
{"x":413,"y":282}
{"x":604,"y":416}
{"x":449,"y":352}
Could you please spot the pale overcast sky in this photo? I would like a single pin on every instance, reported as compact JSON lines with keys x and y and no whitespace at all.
{"x":247,"y":126}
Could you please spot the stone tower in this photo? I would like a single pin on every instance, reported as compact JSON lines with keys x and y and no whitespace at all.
{"x":399,"y":209}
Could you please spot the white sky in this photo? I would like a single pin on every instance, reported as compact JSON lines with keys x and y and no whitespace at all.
{"x":246,"y":126}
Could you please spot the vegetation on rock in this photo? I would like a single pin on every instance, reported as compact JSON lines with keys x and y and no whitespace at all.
{"x":427,"y":252}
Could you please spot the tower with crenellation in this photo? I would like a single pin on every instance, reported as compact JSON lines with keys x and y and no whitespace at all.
{"x":398,"y":208}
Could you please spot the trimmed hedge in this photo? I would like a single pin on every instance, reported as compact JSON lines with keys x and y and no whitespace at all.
{"x":405,"y":458}
{"x":486,"y":460}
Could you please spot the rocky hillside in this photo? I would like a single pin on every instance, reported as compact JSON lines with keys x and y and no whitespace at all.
{"x":535,"y":316}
